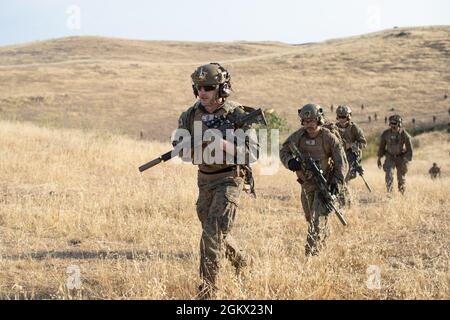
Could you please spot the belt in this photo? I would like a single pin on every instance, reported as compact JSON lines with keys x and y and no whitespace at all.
{"x":396,"y":156}
{"x":228,"y":169}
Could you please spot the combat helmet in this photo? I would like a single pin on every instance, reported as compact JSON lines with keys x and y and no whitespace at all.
{"x":396,"y":119}
{"x":311,"y":111}
{"x":343,"y":111}
{"x":212,"y":75}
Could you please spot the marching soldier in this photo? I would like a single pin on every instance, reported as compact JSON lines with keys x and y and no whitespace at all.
{"x":352,"y":135}
{"x":220,"y":184}
{"x":395,"y":144}
{"x":325,"y":149}
{"x":354,"y":141}
{"x":435,"y":171}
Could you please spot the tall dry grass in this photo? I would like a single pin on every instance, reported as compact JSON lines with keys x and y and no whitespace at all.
{"x":69,"y":197}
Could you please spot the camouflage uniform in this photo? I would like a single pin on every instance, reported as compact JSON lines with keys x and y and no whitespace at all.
{"x":328,"y":152}
{"x":354,"y":141}
{"x":397,"y":148}
{"x":219,"y":188}
{"x":435,"y":171}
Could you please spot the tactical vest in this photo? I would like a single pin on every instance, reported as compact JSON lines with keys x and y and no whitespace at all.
{"x":395,"y":143}
{"x":317,"y":149}
{"x":197,"y":113}
{"x":347,"y":135}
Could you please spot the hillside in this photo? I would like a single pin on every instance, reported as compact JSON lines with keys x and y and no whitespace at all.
{"x":126,"y":86}
{"x":74,"y":199}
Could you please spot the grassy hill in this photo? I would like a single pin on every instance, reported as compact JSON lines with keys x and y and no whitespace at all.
{"x":126,"y":86}
{"x":71,"y":198}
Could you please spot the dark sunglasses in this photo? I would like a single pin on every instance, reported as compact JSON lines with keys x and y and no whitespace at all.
{"x":393,"y":124}
{"x":342,"y":117}
{"x":206,"y":88}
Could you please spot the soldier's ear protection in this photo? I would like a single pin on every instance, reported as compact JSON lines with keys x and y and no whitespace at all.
{"x":224,"y":90}
{"x":225,"y":78}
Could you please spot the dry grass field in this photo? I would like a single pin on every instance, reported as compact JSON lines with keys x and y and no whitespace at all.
{"x":126,"y":87}
{"x":70,"y":197}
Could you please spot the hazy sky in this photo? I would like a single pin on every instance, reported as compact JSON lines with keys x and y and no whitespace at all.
{"x":206,"y":20}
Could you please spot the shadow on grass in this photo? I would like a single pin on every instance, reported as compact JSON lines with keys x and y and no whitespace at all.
{"x":101,"y":254}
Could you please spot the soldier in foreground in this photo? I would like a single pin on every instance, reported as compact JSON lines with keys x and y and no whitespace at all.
{"x":435,"y":171}
{"x":220,"y":184}
{"x":395,"y":144}
{"x":324,"y":148}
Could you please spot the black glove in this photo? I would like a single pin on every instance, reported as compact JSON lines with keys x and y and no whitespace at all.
{"x":294,"y":165}
{"x":352,"y":157}
{"x":334,"y":189}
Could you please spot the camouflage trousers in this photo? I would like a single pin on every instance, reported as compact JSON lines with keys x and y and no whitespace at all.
{"x":317,"y":217}
{"x":351,"y":174}
{"x":216,"y":209}
{"x":390,"y":164}
{"x":344,"y":197}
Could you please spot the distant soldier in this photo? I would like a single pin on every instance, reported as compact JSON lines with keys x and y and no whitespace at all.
{"x":435,"y":171}
{"x":445,"y":96}
{"x":395,"y":144}
{"x":369,"y":118}
{"x":414,"y":122}
{"x":325,"y":149}
{"x":376,"y":116}
{"x":434,"y":119}
{"x":332,"y":108}
{"x":385,"y":120}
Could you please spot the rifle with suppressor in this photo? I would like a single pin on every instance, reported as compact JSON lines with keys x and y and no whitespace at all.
{"x":222,"y":124}
{"x":326,"y":197}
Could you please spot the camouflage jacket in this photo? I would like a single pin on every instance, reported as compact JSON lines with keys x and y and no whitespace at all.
{"x":396,"y":144}
{"x":434,"y":170}
{"x":325,"y":149}
{"x":231,"y":110}
{"x":352,"y":136}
